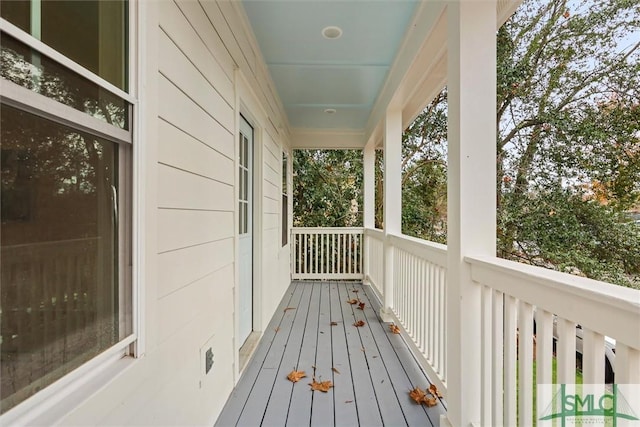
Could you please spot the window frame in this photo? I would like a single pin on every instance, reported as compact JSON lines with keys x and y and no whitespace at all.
{"x":98,"y":370}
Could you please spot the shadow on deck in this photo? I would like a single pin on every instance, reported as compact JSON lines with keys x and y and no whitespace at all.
{"x":371,"y":368}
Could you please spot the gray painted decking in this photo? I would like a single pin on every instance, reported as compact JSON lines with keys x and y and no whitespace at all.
{"x":374,"y":369}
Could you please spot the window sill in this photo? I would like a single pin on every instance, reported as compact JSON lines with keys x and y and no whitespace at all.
{"x":58,"y":399}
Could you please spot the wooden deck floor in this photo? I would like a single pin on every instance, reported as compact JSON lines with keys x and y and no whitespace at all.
{"x":371,"y":368}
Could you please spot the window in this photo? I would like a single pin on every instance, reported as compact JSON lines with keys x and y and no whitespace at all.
{"x":285,"y":202}
{"x":65,"y":147}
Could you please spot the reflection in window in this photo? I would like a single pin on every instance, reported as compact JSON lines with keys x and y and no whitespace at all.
{"x":92,"y":33}
{"x":59,"y":248}
{"x":32,"y":70}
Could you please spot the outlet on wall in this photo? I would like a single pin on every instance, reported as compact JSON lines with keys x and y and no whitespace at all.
{"x":207,"y":360}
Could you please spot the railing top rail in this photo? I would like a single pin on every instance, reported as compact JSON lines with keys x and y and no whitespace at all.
{"x":327,"y":229}
{"x":608,"y":309}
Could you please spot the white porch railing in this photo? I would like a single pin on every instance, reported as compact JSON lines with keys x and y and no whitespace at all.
{"x":529,"y":316}
{"x":420,"y":278}
{"x":327,"y":253}
{"x":512,"y":295}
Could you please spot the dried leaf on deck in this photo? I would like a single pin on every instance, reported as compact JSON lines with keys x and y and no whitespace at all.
{"x":323,"y":386}
{"x":355,"y":290}
{"x":348,"y":401}
{"x":430,"y":401}
{"x":335,"y":370}
{"x":289,"y":308}
{"x":352,"y":301}
{"x":334,"y":323}
{"x":360,"y":306}
{"x":359,"y":323}
{"x":417,"y":395}
{"x":434,"y":391}
{"x":295,"y":376}
{"x":394,"y":328}
{"x":277,"y":328}
{"x":420,"y":397}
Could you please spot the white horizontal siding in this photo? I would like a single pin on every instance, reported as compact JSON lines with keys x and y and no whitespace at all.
{"x":182,"y":151}
{"x":177,"y":269}
{"x":185,"y":190}
{"x":179,"y":110}
{"x":179,"y":229}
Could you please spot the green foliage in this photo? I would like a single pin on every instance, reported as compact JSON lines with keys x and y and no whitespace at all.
{"x":327,"y":188}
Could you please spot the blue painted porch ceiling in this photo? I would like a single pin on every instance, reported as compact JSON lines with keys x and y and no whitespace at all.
{"x":312,"y":73}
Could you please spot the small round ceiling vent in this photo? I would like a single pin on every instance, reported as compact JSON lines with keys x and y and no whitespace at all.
{"x":332,"y":32}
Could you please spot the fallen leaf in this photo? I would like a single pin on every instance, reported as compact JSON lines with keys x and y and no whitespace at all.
{"x":355,"y":290}
{"x":323,"y":386}
{"x":289,"y":308}
{"x":394,"y":328}
{"x":363,"y":349}
{"x":434,"y":391}
{"x":335,"y":370}
{"x":420,"y":397}
{"x":348,"y":401}
{"x":334,"y":323}
{"x":430,"y":401}
{"x":417,"y":395}
{"x":277,"y":328}
{"x":352,"y":301}
{"x":361,"y":306}
{"x":359,"y":323}
{"x":566,"y":14}
{"x":295,"y":376}
{"x":375,"y":357}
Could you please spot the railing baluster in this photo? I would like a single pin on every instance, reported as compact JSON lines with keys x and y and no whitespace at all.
{"x":510,"y":344}
{"x":497,"y":337}
{"x":486,"y":351}
{"x":525,"y":363}
{"x":566,"y":352}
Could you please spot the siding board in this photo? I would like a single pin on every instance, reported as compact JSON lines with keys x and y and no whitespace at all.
{"x":182,"y":112}
{"x":184,"y":228}
{"x":182,"y":151}
{"x":189,"y":27}
{"x":184,"y":190}
{"x":183,"y":73}
{"x":177,"y":269}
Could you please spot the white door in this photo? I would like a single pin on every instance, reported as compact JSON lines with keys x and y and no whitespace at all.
{"x":245,"y":229}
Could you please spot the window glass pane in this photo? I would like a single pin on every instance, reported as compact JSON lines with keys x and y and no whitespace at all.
{"x":28,"y":68}
{"x":18,"y":12}
{"x":245,"y":207}
{"x":92,"y":33}
{"x":245,"y":185}
{"x":59,"y":251}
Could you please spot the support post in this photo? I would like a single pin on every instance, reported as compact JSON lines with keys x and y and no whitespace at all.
{"x":368,"y":162}
{"x":471,"y":187}
{"x":392,"y":200}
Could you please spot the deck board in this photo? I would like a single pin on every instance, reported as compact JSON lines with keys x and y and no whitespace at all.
{"x":375,"y":368}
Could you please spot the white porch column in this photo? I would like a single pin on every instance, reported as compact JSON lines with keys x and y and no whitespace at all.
{"x":368,"y":162}
{"x":392,"y":199}
{"x":471,"y":193}
{"x":369,"y":158}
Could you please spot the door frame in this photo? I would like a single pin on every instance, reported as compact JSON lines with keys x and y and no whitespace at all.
{"x":248,"y":106}
{"x":250,"y":223}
